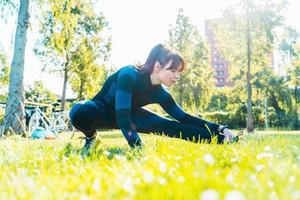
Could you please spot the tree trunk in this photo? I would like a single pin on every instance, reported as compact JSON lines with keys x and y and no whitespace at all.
{"x":180,"y":92}
{"x":14,"y":112}
{"x":249,"y":89}
{"x":80,"y":96}
{"x":63,"y":96}
{"x":196,"y":93}
{"x":296,"y":94}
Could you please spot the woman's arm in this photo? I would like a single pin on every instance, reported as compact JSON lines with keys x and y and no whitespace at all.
{"x":167,"y":102}
{"x":125,"y":86}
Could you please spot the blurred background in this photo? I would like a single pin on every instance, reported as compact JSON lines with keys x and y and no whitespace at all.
{"x":242,"y":55}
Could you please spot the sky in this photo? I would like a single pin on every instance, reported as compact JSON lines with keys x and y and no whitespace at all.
{"x":135,"y":26}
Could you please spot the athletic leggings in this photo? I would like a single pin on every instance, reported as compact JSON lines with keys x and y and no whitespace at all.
{"x":89,"y":117}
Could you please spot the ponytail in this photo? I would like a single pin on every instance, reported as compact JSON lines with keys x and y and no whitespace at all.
{"x":163,"y":55}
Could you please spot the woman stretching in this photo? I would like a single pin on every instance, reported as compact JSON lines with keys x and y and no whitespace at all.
{"x":119,"y":104}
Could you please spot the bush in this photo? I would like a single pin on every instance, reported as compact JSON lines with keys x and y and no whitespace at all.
{"x":216,"y":117}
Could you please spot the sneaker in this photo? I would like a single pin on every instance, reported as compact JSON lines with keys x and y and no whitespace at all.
{"x":235,"y":139}
{"x":89,"y":143}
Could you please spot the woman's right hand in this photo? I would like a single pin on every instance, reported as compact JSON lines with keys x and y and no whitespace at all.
{"x":229,"y":135}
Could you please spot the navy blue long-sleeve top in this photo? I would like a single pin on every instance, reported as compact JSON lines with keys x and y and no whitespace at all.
{"x":129,"y":89}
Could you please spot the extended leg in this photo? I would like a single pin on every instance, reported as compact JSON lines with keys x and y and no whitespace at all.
{"x":148,"y":122}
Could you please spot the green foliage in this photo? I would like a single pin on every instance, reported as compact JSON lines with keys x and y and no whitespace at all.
{"x":263,"y":166}
{"x":280,"y":91}
{"x":88,"y":76}
{"x":2,"y":112}
{"x":217,"y":117}
{"x":74,"y":40}
{"x":4,"y":72}
{"x":39,"y":94}
{"x":179,"y":40}
{"x":294,"y":74}
{"x":193,"y":87}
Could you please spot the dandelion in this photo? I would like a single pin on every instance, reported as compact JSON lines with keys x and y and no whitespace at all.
{"x":180,"y":179}
{"x":23,"y":172}
{"x":162,"y":180}
{"x":177,"y":157}
{"x":128,"y":186}
{"x":196,"y":174}
{"x":96,"y":185}
{"x":229,"y":178}
{"x":267,"y":148}
{"x":234,"y":195}
{"x":163,"y":167}
{"x":252,"y":177}
{"x":260,"y":167}
{"x":107,"y":153}
{"x":44,"y":188}
{"x":209,"y":159}
{"x":121,"y":158}
{"x":137,"y":181}
{"x":56,"y":158}
{"x":29,"y":182}
{"x":292,"y":179}
{"x":264,"y":155}
{"x":209,"y":194}
{"x":148,"y":177}
{"x":144,"y":159}
{"x":273,"y":196}
{"x":270,"y":183}
{"x":84,"y":197}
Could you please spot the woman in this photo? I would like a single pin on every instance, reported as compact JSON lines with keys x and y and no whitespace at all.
{"x":119,"y":104}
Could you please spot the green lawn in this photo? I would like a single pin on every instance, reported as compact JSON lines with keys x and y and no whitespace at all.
{"x":265,"y":165}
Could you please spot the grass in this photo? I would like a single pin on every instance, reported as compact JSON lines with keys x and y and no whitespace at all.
{"x":264,"y":165}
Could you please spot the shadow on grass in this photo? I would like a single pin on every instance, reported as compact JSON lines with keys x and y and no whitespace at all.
{"x":286,"y":135}
{"x":271,"y":137}
{"x":277,"y":136}
{"x":110,"y":152}
{"x":110,"y":136}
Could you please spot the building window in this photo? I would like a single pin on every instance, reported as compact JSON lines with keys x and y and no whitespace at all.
{"x":219,"y":66}
{"x":221,"y":80}
{"x":221,"y":72}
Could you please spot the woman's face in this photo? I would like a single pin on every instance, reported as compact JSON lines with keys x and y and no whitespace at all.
{"x":169,"y":76}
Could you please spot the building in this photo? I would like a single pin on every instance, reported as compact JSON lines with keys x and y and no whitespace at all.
{"x":281,"y":60}
{"x":218,"y":62}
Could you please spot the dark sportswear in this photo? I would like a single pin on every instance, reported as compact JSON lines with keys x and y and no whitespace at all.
{"x":119,"y":105}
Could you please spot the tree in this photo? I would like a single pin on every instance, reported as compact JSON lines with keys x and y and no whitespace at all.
{"x":291,"y":48}
{"x":88,"y":75}
{"x":38,"y":93}
{"x":246,"y":40}
{"x":294,"y":83}
{"x":14,"y":112}
{"x":193,"y":90}
{"x":179,"y":40}
{"x":68,"y":26}
{"x":200,"y":75}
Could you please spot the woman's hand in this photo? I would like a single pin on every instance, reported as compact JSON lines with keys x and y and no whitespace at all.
{"x":228,"y":135}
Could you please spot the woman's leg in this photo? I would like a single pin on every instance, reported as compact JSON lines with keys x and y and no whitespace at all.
{"x":88,"y":116}
{"x":149,"y":122}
